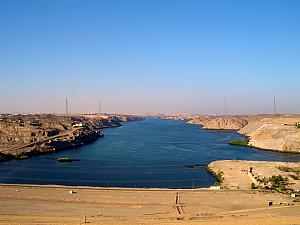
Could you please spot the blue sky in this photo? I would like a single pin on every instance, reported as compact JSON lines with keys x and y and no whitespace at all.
{"x":149,"y":56}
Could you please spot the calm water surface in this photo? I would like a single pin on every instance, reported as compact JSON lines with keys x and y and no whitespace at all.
{"x":149,"y":153}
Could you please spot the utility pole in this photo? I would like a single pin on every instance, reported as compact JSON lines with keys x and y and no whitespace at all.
{"x":274,"y":106}
{"x":67,"y":107}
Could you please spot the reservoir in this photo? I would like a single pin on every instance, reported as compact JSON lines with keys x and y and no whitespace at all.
{"x":150,"y":153}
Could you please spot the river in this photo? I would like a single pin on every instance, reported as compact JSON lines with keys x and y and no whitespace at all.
{"x":148,"y":153}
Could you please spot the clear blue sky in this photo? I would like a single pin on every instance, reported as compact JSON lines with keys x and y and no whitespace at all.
{"x":150,"y":56}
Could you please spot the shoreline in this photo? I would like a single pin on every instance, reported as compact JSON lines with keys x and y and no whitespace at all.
{"x":265,"y":132}
{"x":243,"y":135}
{"x":84,"y":131}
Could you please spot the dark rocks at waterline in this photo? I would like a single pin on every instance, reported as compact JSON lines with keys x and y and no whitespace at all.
{"x":82,"y":139}
{"x":195,"y":165}
{"x":5,"y":157}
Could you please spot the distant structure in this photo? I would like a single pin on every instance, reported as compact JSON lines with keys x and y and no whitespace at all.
{"x":274,"y":106}
{"x":225,"y":107}
{"x":67,"y":107}
{"x":99,"y":107}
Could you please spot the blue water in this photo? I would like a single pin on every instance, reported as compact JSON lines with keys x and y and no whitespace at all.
{"x":149,"y":153}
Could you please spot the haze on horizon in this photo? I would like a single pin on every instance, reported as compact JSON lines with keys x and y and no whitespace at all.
{"x":150,"y":56}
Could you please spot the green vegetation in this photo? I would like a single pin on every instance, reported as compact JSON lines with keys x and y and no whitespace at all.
{"x":253,"y":186}
{"x":297,"y":125}
{"x":289,"y":169}
{"x":295,"y":170}
{"x":263,"y":180}
{"x":66,"y":159}
{"x":21,"y":157}
{"x":295,"y":177}
{"x":244,"y":142}
{"x":278,"y":183}
{"x":220,"y":177}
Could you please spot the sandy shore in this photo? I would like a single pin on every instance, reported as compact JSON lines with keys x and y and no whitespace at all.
{"x":37,"y":204}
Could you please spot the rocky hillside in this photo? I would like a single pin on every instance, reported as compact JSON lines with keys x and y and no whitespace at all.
{"x":220,"y":122}
{"x":22,"y":135}
{"x":225,"y":123}
{"x":20,"y":130}
{"x":274,"y":133}
{"x":269,"y":132}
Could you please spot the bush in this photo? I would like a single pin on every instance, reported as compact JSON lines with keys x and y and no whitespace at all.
{"x":66,"y":159}
{"x":278,"y":182}
{"x":289,"y":169}
{"x":21,"y":157}
{"x":253,"y":186}
{"x":244,"y":142}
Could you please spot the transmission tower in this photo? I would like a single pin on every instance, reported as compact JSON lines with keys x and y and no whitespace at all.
{"x":67,"y":107}
{"x":274,"y":106}
{"x":99,"y":107}
{"x":225,"y":107}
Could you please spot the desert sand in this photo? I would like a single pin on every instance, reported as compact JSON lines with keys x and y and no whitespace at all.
{"x":37,"y":204}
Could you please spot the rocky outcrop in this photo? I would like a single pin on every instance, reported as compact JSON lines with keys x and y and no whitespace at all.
{"x":78,"y":140}
{"x":225,"y":123}
{"x":199,"y":120}
{"x":14,"y":134}
{"x":220,"y":122}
